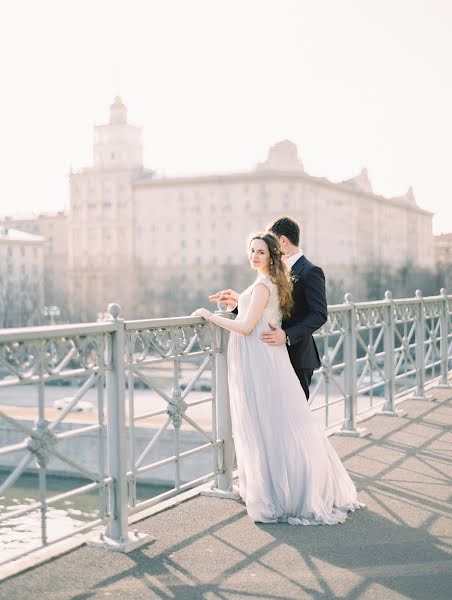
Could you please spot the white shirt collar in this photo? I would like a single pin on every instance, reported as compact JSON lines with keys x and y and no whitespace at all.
{"x":291,"y":260}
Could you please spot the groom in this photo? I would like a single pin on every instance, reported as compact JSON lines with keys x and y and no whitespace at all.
{"x":309,"y":310}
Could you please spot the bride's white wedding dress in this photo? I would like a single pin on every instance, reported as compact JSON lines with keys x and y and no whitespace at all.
{"x":288,"y":469}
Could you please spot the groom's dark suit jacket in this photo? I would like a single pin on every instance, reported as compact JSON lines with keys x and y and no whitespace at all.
{"x":309,"y":313}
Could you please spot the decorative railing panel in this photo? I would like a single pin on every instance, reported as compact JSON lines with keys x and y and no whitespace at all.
{"x":185,"y":353}
{"x":158,"y":395}
{"x":32,"y":360}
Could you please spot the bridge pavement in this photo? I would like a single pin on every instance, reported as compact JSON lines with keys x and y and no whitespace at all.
{"x":399,"y":547}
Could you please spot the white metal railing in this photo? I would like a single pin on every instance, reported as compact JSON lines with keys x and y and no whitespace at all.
{"x":373,"y":355}
{"x":37,"y":356}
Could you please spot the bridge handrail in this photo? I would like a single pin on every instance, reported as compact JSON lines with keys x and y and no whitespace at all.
{"x":392,"y":347}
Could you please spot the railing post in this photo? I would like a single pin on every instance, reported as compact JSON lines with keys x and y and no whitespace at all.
{"x":388,"y":342}
{"x":420,"y":349}
{"x":349,"y":427}
{"x":223,"y":486}
{"x":117,"y":537}
{"x":444,"y":344}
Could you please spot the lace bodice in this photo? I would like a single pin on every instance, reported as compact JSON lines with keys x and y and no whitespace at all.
{"x":272,"y":310}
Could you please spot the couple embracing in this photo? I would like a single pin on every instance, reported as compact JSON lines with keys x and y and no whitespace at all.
{"x":288,"y":469}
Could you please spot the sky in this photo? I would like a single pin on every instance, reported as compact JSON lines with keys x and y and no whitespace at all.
{"x":353,"y":83}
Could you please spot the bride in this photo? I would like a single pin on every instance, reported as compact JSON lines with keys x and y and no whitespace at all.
{"x":288,"y":469}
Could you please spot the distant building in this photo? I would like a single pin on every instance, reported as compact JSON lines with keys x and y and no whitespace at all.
{"x":158,"y":245}
{"x":21,"y":278}
{"x":443,"y":257}
{"x":53,"y":227}
{"x":101,"y":260}
{"x":443,"y":249}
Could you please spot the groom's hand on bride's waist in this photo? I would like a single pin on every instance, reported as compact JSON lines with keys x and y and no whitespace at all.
{"x":275,"y":337}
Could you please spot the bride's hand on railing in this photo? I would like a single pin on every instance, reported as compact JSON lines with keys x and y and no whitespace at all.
{"x":201,"y":312}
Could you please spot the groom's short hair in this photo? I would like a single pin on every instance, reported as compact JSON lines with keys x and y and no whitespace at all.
{"x":288,"y":227}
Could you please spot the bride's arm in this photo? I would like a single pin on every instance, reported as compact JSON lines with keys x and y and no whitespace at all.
{"x":258,"y":301}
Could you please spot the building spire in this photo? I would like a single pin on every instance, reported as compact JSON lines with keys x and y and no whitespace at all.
{"x":118,"y":112}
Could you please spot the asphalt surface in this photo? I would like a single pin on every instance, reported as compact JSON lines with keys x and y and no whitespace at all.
{"x":399,"y":547}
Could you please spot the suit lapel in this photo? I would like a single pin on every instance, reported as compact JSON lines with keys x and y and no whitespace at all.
{"x":299,"y":266}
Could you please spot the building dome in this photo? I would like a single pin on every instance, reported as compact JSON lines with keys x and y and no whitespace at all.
{"x":283,"y":156}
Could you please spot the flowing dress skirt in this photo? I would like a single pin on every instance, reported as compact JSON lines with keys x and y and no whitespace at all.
{"x":288,"y":469}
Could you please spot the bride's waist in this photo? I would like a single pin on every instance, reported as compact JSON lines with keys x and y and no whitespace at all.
{"x":263,"y":324}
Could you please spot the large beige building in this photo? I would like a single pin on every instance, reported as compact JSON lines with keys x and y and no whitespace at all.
{"x":158,"y":245}
{"x":21,"y":278}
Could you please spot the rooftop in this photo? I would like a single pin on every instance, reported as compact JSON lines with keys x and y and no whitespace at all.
{"x":14,"y":235}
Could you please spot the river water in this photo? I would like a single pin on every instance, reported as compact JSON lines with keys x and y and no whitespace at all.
{"x":22,"y":534}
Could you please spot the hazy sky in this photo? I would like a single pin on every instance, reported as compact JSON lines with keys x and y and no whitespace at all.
{"x":352,"y":82}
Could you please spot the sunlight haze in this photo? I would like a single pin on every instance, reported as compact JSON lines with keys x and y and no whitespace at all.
{"x":215,"y":84}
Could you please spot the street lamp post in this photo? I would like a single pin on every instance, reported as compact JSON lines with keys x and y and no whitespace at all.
{"x":51,"y":312}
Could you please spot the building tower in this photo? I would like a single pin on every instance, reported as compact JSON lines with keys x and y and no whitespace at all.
{"x":117,"y":144}
{"x":100,"y":240}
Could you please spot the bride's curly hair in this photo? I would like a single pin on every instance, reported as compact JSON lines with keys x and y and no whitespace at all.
{"x":279,"y":273}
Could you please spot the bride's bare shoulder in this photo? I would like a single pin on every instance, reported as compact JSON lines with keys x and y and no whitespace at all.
{"x":265,"y":280}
